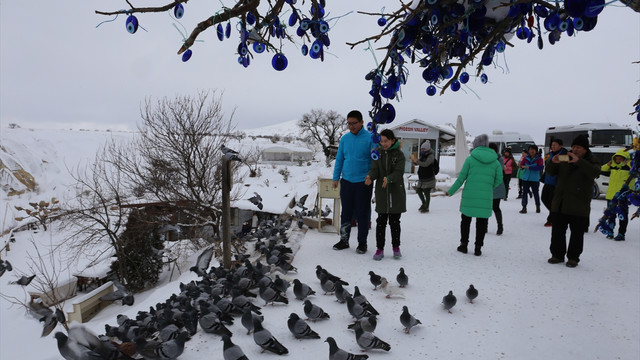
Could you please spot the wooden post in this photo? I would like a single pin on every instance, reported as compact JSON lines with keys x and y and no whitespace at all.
{"x":226,"y":213}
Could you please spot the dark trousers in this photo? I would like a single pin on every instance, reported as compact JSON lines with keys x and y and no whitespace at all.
{"x":355,"y":199}
{"x":481,"y":229}
{"x":507,"y":180}
{"x":381,"y":229}
{"x":497,"y":211}
{"x":577,"y":225}
{"x":532,"y":186}
{"x":425,"y":196}
{"x":547,"y":198}
{"x":623,"y":223}
{"x":519,"y":187}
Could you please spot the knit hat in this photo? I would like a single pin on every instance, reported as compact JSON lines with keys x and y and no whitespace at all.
{"x":481,"y":140}
{"x":581,"y":140}
{"x":426,"y":145}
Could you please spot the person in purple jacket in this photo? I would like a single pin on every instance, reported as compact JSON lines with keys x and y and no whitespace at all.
{"x":532,"y":165}
{"x":352,"y":165}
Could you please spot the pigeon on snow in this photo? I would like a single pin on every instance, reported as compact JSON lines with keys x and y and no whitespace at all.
{"x":229,"y":154}
{"x":357,"y":311}
{"x":341,"y":293}
{"x":314,"y":312}
{"x":231,"y":351}
{"x":330,"y":276}
{"x":335,"y":353}
{"x":270,"y":295}
{"x":301,"y":290}
{"x":407,"y":320}
{"x":375,"y":279}
{"x":121,"y":293}
{"x":390,"y":289}
{"x":266,"y":341}
{"x":5,"y":266}
{"x":367,"y":323}
{"x":449,"y":301}
{"x":402,"y":278}
{"x":472,"y":293}
{"x":300,"y":329}
{"x":362,"y":300}
{"x":368,"y":341}
{"x":247,"y":320}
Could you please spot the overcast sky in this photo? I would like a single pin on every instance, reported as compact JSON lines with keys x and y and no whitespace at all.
{"x":59,"y":71}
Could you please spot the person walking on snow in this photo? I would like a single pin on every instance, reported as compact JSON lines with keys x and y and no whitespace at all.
{"x":426,"y":177}
{"x":499,"y":193}
{"x":510,"y":167}
{"x":481,"y":173}
{"x":391,"y":197}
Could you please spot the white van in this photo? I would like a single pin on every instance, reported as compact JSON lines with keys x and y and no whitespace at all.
{"x":516,"y":141}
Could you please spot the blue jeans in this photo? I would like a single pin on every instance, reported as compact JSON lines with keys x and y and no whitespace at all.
{"x":533,"y":186}
{"x":355,"y":199}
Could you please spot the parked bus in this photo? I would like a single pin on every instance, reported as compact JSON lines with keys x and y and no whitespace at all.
{"x":516,"y":141}
{"x":604,"y":140}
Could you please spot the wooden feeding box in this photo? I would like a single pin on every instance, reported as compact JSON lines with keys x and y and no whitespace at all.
{"x":326,"y":191}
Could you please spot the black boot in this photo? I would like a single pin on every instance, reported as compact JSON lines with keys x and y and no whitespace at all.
{"x":524,"y":210}
{"x":537,"y":208}
{"x":462,"y":248}
{"x":499,"y":232}
{"x":477,"y":251}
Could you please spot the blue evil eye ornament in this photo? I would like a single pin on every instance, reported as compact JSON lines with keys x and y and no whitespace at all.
{"x":375,"y":155}
{"x":293,"y":19}
{"x":386,"y":114}
{"x":431,"y":90}
{"x":279,"y":62}
{"x":227,"y":30}
{"x":455,"y":85}
{"x":382,"y":21}
{"x":220,"y":32}
{"x":251,"y":19}
{"x":259,"y":47}
{"x":371,"y":127}
{"x":132,"y":24}
{"x":304,"y":50}
{"x":186,"y":55}
{"x":464,"y":77}
{"x":375,"y":138}
{"x":484,"y":78}
{"x":178,"y":11}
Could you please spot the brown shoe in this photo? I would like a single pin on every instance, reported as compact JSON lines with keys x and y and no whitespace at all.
{"x":572,"y":263}
{"x":553,"y":260}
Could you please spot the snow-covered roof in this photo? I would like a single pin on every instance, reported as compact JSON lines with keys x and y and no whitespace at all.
{"x":286,"y":149}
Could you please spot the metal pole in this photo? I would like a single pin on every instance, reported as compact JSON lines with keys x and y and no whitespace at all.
{"x":226,"y":213}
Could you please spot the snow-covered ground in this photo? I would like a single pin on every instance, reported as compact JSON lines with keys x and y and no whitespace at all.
{"x":527,"y":308}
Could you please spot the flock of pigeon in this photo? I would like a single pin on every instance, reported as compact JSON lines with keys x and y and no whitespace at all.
{"x":220,"y":296}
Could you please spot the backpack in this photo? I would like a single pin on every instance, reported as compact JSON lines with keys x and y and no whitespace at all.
{"x":436,"y":167}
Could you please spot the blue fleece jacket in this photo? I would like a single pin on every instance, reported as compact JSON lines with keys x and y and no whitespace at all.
{"x":535,"y":165}
{"x":353,"y":159}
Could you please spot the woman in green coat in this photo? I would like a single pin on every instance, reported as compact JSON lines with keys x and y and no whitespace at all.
{"x":481,"y":173}
{"x":390,"y":194}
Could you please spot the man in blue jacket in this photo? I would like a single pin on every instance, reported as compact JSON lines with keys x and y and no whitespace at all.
{"x":556,"y":148}
{"x":353,"y":161}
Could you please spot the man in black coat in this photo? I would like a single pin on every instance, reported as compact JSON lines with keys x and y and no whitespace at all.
{"x":571,"y":203}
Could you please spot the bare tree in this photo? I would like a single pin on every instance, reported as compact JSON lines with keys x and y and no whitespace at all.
{"x":323,"y":127}
{"x":177,"y":157}
{"x":96,"y":214}
{"x":444,"y":37}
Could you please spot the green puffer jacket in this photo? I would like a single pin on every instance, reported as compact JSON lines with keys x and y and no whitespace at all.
{"x":618,"y":173}
{"x":393,"y":198}
{"x":572,"y":195}
{"x":481,"y":173}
